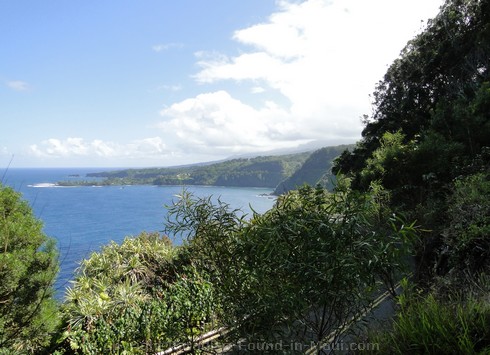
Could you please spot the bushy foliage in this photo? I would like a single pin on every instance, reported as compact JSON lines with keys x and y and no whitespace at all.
{"x":302,"y":270}
{"x":467,"y":235}
{"x":316,"y":259}
{"x":436,"y":94}
{"x":138,"y":297}
{"x":426,"y":324}
{"x":28,"y":268}
{"x":212,"y":232}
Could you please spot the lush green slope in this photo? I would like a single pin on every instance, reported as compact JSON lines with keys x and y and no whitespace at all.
{"x":265,"y":171}
{"x":428,"y":145}
{"x":315,"y":170}
{"x":282,"y":172}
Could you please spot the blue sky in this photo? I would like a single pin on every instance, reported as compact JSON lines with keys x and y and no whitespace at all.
{"x":160,"y":83}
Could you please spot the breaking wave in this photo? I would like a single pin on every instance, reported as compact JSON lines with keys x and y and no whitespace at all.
{"x":44,"y":184}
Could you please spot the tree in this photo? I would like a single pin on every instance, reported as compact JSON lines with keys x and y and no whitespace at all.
{"x":301,"y":271}
{"x":317,"y":258}
{"x":212,"y":233}
{"x":439,"y":84}
{"x":28,"y":267}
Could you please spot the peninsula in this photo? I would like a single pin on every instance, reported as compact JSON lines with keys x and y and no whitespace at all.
{"x":279,"y":172}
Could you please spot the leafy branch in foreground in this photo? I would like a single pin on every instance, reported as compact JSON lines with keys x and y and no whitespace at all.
{"x":302,"y":270}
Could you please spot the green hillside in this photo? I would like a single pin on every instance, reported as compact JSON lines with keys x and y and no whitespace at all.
{"x":266,"y":171}
{"x":315,"y":170}
{"x":280,"y":172}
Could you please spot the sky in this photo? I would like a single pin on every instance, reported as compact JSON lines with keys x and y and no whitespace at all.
{"x":169,"y":82}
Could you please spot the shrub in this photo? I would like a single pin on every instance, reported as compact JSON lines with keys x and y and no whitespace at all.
{"x":467,"y":236}
{"x":139,"y":297}
{"x":300,"y":271}
{"x":426,"y":324}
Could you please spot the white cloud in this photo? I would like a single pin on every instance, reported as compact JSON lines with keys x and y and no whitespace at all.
{"x":324,"y":57}
{"x":216,"y":122}
{"x":18,"y":85}
{"x":78,"y":147}
{"x":305,"y":73}
{"x":165,"y":46}
{"x":147,"y":147}
{"x":105,"y":149}
{"x":57,"y":147}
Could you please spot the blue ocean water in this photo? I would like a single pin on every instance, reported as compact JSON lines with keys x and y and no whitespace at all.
{"x":82,"y":219}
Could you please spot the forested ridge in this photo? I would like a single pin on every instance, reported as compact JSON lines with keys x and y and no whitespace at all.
{"x":317,"y":169}
{"x":410,"y":203}
{"x":280,"y":172}
{"x":262,"y":171}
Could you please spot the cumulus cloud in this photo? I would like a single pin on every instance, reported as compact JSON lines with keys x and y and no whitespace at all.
{"x":217,"y":122}
{"x":304,"y":74}
{"x":78,"y":147}
{"x":18,"y":85}
{"x":324,"y":57}
{"x":147,"y":147}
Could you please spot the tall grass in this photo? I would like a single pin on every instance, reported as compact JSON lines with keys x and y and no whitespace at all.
{"x":428,"y":325}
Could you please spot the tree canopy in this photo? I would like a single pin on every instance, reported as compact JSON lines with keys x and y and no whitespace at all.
{"x":437,"y":96}
{"x":28,"y":268}
{"x":301,"y":271}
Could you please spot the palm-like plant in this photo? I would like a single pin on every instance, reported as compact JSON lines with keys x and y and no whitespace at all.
{"x":135,"y":297}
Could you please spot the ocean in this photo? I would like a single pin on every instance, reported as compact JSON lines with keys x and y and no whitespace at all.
{"x":82,"y":219}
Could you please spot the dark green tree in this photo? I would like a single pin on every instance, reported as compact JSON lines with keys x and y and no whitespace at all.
{"x":301,"y":271}
{"x":28,"y":268}
{"x":436,"y":92}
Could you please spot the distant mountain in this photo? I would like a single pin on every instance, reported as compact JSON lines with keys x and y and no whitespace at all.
{"x":306,"y":147}
{"x":315,"y":170}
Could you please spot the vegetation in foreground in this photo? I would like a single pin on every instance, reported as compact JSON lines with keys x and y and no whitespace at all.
{"x":457,"y":322}
{"x":28,"y":268}
{"x":307,"y":267}
{"x":142,"y":296}
{"x":428,"y":143}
